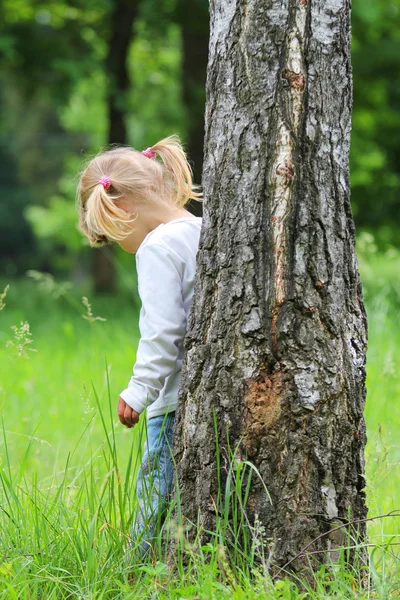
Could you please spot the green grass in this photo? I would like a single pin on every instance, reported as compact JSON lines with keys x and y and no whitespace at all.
{"x":68,"y":467}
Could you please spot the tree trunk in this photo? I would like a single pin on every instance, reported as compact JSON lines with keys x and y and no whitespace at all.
{"x":277,"y":333}
{"x":122,"y":18}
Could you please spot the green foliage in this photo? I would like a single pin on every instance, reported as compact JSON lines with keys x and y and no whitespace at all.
{"x":379,"y":271}
{"x":156,"y":107}
{"x":375,"y":147}
{"x":57,"y":220}
{"x":47,"y":51}
{"x":47,"y":45}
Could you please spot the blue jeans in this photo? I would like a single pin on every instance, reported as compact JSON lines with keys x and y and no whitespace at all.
{"x":154,"y":482}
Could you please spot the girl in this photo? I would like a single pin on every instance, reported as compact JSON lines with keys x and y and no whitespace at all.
{"x":133,"y":199}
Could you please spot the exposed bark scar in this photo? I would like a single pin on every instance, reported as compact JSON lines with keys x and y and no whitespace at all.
{"x":296,"y":80}
{"x":262,"y":407}
{"x":285,"y":169}
{"x":290,"y":111}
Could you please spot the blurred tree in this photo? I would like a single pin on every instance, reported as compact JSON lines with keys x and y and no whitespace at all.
{"x":194,"y":30}
{"x":123,"y":15}
{"x":195,"y":34}
{"x":16,"y":237}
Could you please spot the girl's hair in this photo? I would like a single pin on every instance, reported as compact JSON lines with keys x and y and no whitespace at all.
{"x":131,"y":176}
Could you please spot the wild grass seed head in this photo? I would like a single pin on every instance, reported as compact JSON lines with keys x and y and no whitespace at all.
{"x":22,"y":340}
{"x":3,"y":297}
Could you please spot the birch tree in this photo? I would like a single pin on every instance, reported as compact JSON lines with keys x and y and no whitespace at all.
{"x":276,"y":339}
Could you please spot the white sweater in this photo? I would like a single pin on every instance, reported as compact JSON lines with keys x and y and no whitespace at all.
{"x":166,"y":266}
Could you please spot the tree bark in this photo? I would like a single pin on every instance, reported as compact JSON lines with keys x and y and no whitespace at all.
{"x":276,"y":338}
{"x":122,"y":19}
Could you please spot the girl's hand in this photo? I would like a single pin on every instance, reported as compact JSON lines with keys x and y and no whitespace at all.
{"x":126,"y":414}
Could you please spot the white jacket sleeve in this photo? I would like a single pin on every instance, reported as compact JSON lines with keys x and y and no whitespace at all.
{"x":162,"y":324}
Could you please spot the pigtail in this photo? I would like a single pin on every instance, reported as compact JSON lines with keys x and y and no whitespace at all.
{"x":100,"y":219}
{"x":173,"y":156}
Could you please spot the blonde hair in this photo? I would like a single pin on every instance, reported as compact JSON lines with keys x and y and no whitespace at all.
{"x":133,"y":177}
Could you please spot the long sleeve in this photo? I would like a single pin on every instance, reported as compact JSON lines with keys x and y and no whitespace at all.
{"x":162,"y":325}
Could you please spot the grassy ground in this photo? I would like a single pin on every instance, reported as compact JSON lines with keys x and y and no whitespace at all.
{"x":68,"y":473}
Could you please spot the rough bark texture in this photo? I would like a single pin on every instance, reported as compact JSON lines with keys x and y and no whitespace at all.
{"x":277,"y":333}
{"x":122,"y":18}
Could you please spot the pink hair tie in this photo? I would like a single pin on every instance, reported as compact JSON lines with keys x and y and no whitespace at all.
{"x":105,"y":182}
{"x":149,"y":153}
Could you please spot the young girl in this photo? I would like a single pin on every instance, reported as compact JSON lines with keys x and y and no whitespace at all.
{"x":137,"y":200}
